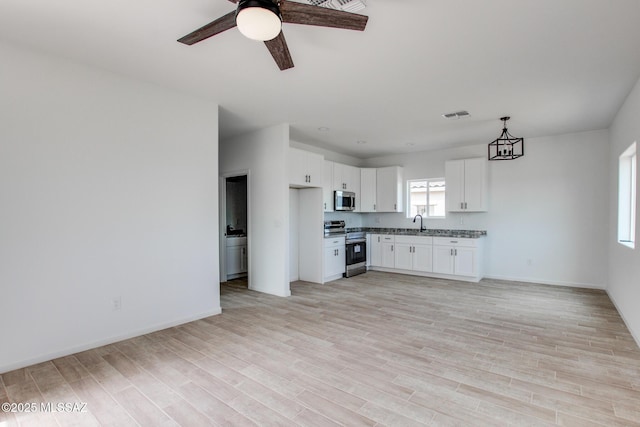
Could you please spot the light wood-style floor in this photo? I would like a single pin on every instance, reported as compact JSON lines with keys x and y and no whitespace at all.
{"x":375,"y":349}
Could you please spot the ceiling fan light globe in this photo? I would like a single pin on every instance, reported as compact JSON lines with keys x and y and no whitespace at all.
{"x":257,"y":23}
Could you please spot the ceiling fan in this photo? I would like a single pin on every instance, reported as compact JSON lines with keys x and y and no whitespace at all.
{"x":262,"y":20}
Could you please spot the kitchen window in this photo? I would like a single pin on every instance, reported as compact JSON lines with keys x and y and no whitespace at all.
{"x":627,"y":197}
{"x":426,"y":197}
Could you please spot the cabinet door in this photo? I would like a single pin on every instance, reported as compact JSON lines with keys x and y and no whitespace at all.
{"x":404,"y":256}
{"x":388,"y":255}
{"x":389,"y":189}
{"x":297,"y":167}
{"x":423,"y":258}
{"x":375,"y":245}
{"x":465,"y":261}
{"x":353,"y":183}
{"x":443,"y":259}
{"x":368,"y":190}
{"x":243,"y":259}
{"x":234,"y":259}
{"x":339,"y":183}
{"x":454,"y":178}
{"x":475,"y":185}
{"x":305,"y":168}
{"x":334,"y":261}
{"x":341,"y":260}
{"x":327,"y":186}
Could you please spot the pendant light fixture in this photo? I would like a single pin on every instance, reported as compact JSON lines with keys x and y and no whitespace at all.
{"x":259,"y":19}
{"x":506,"y":146}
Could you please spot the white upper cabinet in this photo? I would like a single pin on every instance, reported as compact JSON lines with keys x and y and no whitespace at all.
{"x":467,"y":185}
{"x":368,"y":190}
{"x":327,"y":186}
{"x":346,"y":178}
{"x":389,"y":189}
{"x":305,"y":168}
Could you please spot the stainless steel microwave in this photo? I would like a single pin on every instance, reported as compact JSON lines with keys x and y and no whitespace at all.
{"x":344,"y":201}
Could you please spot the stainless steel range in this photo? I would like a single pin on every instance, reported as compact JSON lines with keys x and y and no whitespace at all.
{"x":356,"y":251}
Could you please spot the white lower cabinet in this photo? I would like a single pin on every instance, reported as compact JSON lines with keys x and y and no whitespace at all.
{"x":382,"y":250}
{"x":452,"y":258}
{"x":335,"y":262}
{"x":456,"y":256}
{"x":236,"y":256}
{"x":414,"y":253}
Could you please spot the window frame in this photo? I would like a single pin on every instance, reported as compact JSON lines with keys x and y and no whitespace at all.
{"x":426,"y":214}
{"x":627,"y":181}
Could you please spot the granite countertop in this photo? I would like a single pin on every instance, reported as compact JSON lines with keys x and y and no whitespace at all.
{"x":433,"y":232}
{"x":329,"y":236}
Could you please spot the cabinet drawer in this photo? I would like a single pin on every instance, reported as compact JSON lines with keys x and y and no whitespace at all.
{"x":416,"y":240}
{"x":330,"y":242}
{"x":453,"y":241}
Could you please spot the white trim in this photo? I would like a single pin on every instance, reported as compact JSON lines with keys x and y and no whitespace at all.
{"x":114,"y":339}
{"x":473,"y":279}
{"x":548,"y":282}
{"x":635,"y":336}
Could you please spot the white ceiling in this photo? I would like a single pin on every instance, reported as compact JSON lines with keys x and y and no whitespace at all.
{"x":554,"y":66}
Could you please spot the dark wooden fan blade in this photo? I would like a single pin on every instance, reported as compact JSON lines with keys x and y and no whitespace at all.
{"x":221,"y":24}
{"x":280,"y":52}
{"x":306,"y":14}
{"x":233,"y":1}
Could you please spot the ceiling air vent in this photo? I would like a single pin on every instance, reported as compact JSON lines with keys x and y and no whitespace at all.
{"x":457,"y":115}
{"x":345,"y":5}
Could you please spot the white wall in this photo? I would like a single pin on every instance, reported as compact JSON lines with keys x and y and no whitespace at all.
{"x":328,"y":154}
{"x":548,"y":215}
{"x":624,"y":263}
{"x":264,"y":154}
{"x":108,"y":187}
{"x":294,"y":223}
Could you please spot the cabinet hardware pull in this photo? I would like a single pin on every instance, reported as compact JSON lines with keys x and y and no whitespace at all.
{"x":374,"y":206}
{"x":451,"y":252}
{"x":325,"y":206}
{"x":455,"y":252}
{"x":391,"y":248}
{"x":465,"y":205}
{"x":461,"y":205}
{"x":453,"y":241}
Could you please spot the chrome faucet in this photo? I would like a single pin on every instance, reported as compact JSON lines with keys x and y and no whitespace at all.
{"x":421,"y":227}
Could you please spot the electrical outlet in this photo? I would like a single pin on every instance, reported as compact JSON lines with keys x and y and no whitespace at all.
{"x":117,"y":303}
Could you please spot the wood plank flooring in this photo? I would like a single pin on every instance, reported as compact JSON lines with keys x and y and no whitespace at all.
{"x":375,"y":349}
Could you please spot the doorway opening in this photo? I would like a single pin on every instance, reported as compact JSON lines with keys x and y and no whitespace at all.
{"x":234,"y":260}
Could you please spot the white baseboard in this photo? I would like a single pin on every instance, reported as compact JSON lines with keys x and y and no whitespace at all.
{"x":548,"y":282}
{"x":634,"y":335}
{"x":106,"y":341}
